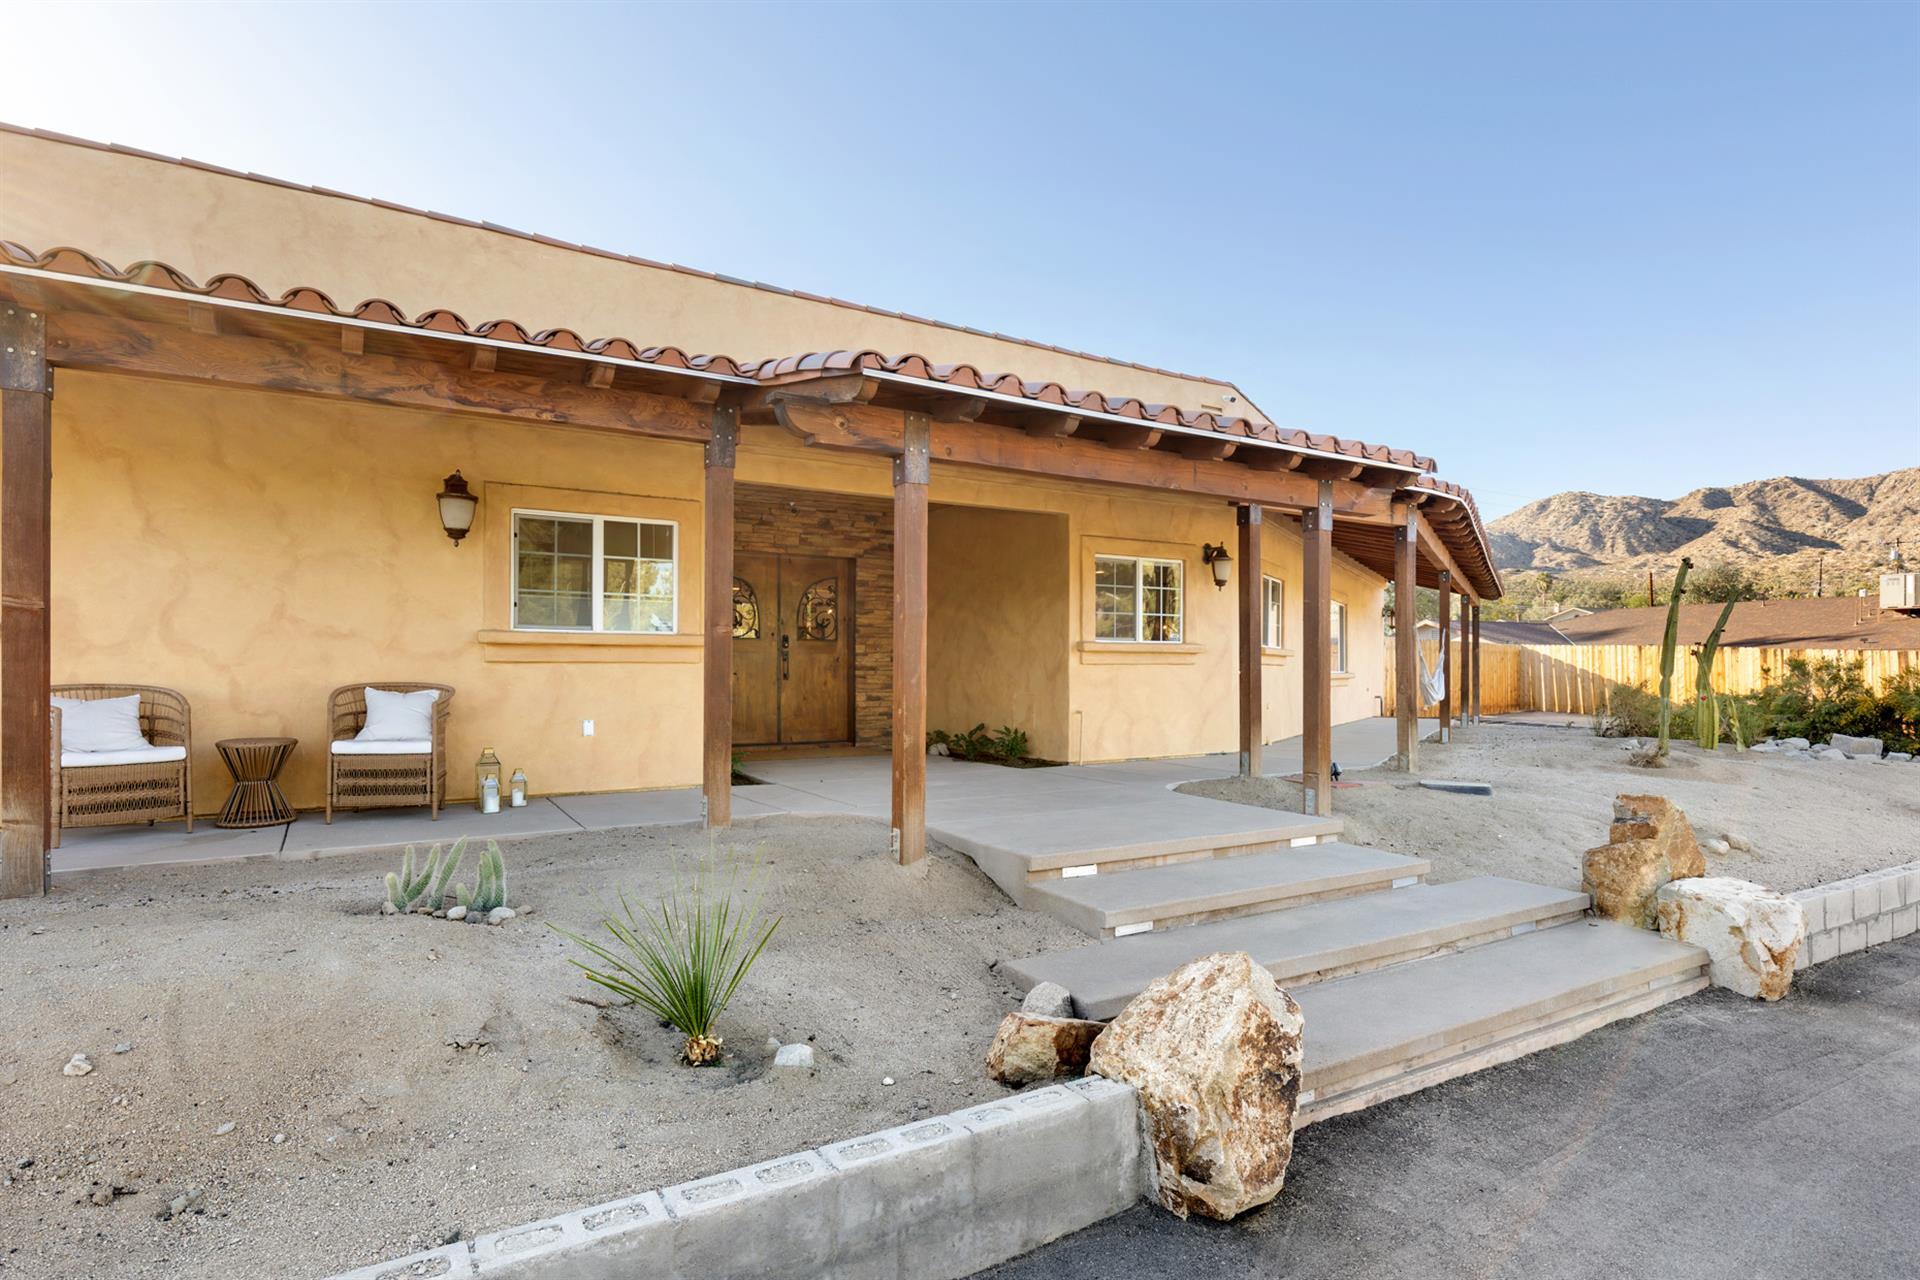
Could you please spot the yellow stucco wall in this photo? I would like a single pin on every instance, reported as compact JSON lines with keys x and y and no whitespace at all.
{"x":254,"y":550}
{"x":126,"y":208}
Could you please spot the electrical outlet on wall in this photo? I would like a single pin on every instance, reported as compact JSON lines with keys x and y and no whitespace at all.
{"x":586,"y":728}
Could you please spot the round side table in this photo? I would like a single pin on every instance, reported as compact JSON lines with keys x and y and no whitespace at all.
{"x":255,"y":764}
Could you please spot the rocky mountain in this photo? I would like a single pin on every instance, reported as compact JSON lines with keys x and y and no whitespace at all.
{"x":1781,"y":528}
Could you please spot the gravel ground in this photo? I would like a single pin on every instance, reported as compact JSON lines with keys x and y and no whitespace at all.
{"x":1809,"y":821}
{"x":272,"y":997}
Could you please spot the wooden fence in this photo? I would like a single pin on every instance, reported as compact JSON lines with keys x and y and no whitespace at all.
{"x":1575,"y":678}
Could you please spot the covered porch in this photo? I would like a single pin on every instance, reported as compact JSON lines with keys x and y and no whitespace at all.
{"x":940,"y":454}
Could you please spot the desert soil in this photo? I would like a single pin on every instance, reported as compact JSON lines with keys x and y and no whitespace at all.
{"x":272,"y":996}
{"x":1809,"y":821}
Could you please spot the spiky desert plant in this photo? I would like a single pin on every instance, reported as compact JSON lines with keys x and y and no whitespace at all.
{"x":1706,"y":707}
{"x":1667,"y":643}
{"x":407,"y":888}
{"x":683,"y":959}
{"x":447,"y":868}
{"x":490,"y":887}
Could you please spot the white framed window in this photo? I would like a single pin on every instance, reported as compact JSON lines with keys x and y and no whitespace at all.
{"x":1272,"y":596}
{"x":574,"y":572}
{"x":1338,"y":630}
{"x":1137,"y":599}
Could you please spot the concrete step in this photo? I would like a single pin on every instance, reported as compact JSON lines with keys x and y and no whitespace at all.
{"x":1309,"y":943}
{"x":1186,"y":893}
{"x":1378,"y":1035}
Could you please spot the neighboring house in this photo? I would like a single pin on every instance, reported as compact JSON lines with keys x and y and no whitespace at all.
{"x":1497,"y":632}
{"x":790,"y":549}
{"x":1568,"y":614}
{"x":1840,"y":622}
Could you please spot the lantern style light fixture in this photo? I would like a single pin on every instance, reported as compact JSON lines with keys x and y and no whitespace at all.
{"x":1217,"y":559}
{"x":486,"y":782}
{"x":457,"y":505}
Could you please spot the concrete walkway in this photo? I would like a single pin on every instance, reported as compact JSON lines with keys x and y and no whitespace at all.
{"x":1719,"y":1139}
{"x":860,"y":786}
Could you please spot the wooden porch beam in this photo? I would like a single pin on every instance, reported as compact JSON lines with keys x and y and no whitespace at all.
{"x":1463,"y":705}
{"x":1127,"y":435}
{"x":716,"y":734}
{"x":967,"y":410}
{"x":82,"y":341}
{"x":1252,"y":609}
{"x":1205,"y":450}
{"x":599,"y":376}
{"x":870,"y":429}
{"x":1271,"y":459}
{"x":1441,"y":558}
{"x":26,"y":483}
{"x":353,"y":341}
{"x":203,"y":319}
{"x":485,"y":359}
{"x":1316,"y":667}
{"x":848,"y":388}
{"x":1053,"y":426}
{"x":911,"y":472}
{"x":1406,"y":637}
{"x":1447,"y":673}
{"x":1473,"y":694}
{"x":1331,"y":468}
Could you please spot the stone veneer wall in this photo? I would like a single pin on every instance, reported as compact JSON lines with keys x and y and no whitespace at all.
{"x":803,"y":522}
{"x":1859,"y":912}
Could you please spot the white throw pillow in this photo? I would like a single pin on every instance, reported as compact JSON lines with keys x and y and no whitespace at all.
{"x":392,"y":716}
{"x":101,"y":724}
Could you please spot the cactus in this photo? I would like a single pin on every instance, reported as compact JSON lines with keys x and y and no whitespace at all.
{"x":430,"y":884}
{"x":447,"y":868}
{"x":1706,"y":707}
{"x":490,"y":889}
{"x":1667,"y":643}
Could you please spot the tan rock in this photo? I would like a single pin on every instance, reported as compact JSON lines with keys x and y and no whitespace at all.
{"x":1649,"y":844}
{"x":1214,"y":1049}
{"x":1030,"y":1047}
{"x":1751,"y":934}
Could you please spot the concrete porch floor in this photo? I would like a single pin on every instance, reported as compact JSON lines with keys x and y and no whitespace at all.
{"x":1039,"y":810}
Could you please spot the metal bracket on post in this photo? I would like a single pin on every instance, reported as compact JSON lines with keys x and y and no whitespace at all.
{"x":726,"y":436}
{"x":893,"y":843}
{"x":915,"y":463}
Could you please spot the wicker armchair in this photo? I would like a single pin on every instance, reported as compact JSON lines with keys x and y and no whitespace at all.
{"x":108,"y":794}
{"x":382,"y":780}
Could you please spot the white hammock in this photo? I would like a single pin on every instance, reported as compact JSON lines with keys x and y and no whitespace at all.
{"x":1433,"y":684}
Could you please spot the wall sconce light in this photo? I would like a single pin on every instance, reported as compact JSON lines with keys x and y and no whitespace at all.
{"x":1217,"y":559}
{"x":457,"y":505}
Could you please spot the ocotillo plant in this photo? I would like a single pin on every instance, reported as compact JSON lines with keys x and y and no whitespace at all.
{"x":1706,"y":707}
{"x":1667,"y":643}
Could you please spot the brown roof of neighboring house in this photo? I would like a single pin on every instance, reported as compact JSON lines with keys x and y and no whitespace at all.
{"x":52,"y":136}
{"x":1842,"y":622}
{"x":236,"y":288}
{"x":1500,"y":631}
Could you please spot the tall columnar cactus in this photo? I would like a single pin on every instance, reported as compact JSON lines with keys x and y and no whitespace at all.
{"x":1667,"y":644}
{"x":1706,"y":707}
{"x":408,"y":888}
{"x":490,"y":890}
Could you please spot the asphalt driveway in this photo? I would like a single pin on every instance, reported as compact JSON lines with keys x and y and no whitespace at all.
{"x":1712,"y":1138}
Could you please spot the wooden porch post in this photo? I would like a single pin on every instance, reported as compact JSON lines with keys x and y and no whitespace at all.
{"x":716,"y":774}
{"x":1406,"y":636}
{"x":1467,"y":660}
{"x":1475,"y":694}
{"x":1447,"y":673}
{"x":26,"y":481}
{"x":1252,"y":612}
{"x":1316,"y":667}
{"x":910,"y":474}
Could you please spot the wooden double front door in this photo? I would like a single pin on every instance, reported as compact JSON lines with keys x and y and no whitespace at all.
{"x":792,"y":649}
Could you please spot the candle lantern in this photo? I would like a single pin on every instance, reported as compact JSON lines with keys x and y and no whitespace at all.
{"x":517,"y":789}
{"x":486,"y":782}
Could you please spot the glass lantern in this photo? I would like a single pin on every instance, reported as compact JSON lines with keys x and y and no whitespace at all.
{"x":517,"y":789}
{"x":486,"y":782}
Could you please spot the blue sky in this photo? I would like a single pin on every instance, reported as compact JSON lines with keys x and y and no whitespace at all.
{"x":1624,"y":247}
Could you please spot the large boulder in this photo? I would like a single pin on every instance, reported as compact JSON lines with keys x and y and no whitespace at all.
{"x":1751,"y":934}
{"x":1030,"y":1047}
{"x":1857,"y":748}
{"x":1650,"y":843}
{"x":1214,"y":1049}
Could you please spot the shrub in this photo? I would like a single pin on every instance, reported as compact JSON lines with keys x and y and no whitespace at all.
{"x":1627,"y":712}
{"x":1009,"y":743}
{"x":683,"y":960}
{"x":1820,"y":697}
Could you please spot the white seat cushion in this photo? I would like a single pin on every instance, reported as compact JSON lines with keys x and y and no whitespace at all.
{"x":383,"y":747}
{"x":140,"y":755}
{"x":101,"y":724}
{"x":397,"y":717}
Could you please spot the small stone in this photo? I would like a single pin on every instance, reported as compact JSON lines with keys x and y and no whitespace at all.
{"x":1738,"y":843}
{"x":225,"y":1129}
{"x":938,"y":749}
{"x":279,"y":1138}
{"x":799,"y":1057}
{"x":77,"y":1065}
{"x":456,"y":913}
{"x":1718,"y":848}
{"x":102,"y":1195}
{"x":440,"y":915}
{"x":1899,"y":757}
{"x":123,"y":1047}
{"x":886,"y":1079}
{"x":1858,"y":748}
{"x":1794,"y":744}
{"x":1767,"y":745}
{"x":500,"y":915}
{"x":1049,"y":1000}
{"x":388,"y":909}
{"x":1029,"y":1048}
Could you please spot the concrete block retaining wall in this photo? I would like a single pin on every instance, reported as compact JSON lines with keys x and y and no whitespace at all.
{"x":1859,"y":912}
{"x":941,"y":1197}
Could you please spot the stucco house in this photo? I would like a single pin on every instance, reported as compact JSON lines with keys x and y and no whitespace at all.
{"x":231,"y":405}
